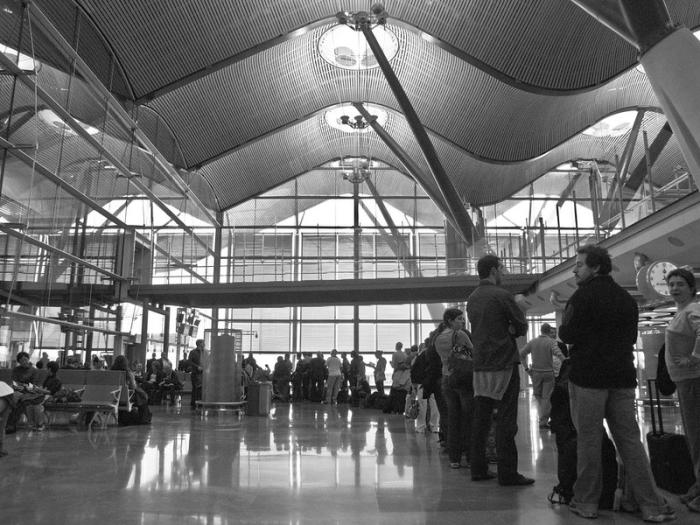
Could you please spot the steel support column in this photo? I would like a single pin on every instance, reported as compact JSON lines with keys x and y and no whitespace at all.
{"x":447,"y":189}
{"x":610,"y":15}
{"x":398,"y":246}
{"x":655,"y":148}
{"x":218,"y":246}
{"x":668,"y":54}
{"x":411,"y":167}
{"x":401,"y":248}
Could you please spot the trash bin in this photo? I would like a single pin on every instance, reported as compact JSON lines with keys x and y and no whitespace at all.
{"x":259,"y":399}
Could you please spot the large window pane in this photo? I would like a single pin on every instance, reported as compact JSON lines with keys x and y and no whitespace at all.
{"x":317,"y":337}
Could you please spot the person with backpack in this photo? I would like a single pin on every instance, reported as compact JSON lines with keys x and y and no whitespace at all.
{"x":426,"y":398}
{"x":565,"y":434}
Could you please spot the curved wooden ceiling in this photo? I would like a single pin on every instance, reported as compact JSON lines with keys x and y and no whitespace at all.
{"x":504,"y":88}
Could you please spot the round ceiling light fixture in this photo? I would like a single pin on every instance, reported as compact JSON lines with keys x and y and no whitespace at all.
{"x":346,"y":118}
{"x":346,"y":48}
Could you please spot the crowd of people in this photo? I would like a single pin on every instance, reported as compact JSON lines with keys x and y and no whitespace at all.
{"x":464,"y":385}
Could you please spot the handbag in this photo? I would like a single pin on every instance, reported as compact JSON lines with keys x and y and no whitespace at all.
{"x":461,"y":366}
{"x":413,"y":409}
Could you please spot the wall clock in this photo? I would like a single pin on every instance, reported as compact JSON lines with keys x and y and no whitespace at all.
{"x":651,"y":279}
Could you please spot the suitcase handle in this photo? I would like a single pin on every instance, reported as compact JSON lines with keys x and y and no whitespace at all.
{"x":655,"y":405}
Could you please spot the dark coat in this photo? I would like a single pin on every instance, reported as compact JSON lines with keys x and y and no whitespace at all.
{"x":600,"y":321}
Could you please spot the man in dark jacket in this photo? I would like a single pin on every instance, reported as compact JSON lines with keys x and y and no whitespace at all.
{"x":496,"y":320}
{"x":600,"y":321}
{"x":194,"y":364}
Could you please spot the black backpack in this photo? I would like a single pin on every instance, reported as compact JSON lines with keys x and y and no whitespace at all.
{"x":419,"y":368}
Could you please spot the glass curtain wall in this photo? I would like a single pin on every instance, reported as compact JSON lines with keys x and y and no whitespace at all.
{"x":87,"y":205}
{"x":320,"y":226}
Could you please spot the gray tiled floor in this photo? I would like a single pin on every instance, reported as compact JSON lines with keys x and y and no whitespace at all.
{"x":305,"y":463}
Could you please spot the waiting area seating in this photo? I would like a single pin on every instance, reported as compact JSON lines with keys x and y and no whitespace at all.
{"x":102,"y":393}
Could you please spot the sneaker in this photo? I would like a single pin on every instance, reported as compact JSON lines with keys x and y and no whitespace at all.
{"x":694,"y":505}
{"x":590,"y":515}
{"x":455,"y":465}
{"x":660,"y":517}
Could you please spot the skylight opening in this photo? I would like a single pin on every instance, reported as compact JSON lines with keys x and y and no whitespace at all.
{"x":343,"y":47}
{"x":613,"y":125}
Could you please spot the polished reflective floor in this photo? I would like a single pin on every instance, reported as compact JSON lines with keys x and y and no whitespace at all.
{"x":304,"y":463}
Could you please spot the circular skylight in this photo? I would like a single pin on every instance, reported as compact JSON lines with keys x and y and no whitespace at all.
{"x":346,"y":48}
{"x":612,"y":126}
{"x":338,"y":115}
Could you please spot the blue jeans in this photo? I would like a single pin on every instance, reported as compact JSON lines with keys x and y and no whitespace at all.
{"x":506,"y":430}
{"x":689,"y":400}
{"x":589,"y":406}
{"x":333,"y":387}
{"x":460,"y":412}
{"x":542,"y":388}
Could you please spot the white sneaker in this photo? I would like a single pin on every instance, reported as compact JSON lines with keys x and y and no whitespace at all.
{"x":660,"y":517}
{"x":583,"y":513}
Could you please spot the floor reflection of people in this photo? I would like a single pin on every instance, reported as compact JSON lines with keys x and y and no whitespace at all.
{"x":129,"y":465}
{"x":334,"y":428}
{"x":358,"y":443}
{"x":281,"y":431}
{"x":380,"y":441}
{"x":397,"y":429}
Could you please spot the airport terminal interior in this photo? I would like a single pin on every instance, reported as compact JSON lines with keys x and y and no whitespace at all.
{"x":295,"y":177}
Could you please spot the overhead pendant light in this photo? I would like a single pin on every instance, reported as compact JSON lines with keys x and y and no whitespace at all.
{"x":346,"y":118}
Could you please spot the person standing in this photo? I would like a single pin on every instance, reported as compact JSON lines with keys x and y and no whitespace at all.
{"x":453,"y":340}
{"x":496,"y":320}
{"x":280,"y":378}
{"x":600,"y":322}
{"x":683,"y":363}
{"x":380,"y":371}
{"x":335,"y":377}
{"x":401,"y":377}
{"x":543,"y":350}
{"x":194,"y":364}
{"x":317,"y":372}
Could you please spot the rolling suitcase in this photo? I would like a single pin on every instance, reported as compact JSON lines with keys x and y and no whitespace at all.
{"x":668,"y":452}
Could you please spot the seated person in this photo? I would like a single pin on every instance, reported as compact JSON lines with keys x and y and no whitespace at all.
{"x":363,"y":391}
{"x":28,"y":397}
{"x":137,"y":369}
{"x":168,"y":382}
{"x":6,"y":403}
{"x":52,"y":383}
{"x":140,"y":398}
{"x":151,"y":383}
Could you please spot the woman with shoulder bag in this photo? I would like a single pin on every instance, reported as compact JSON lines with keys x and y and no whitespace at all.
{"x":454,"y":347}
